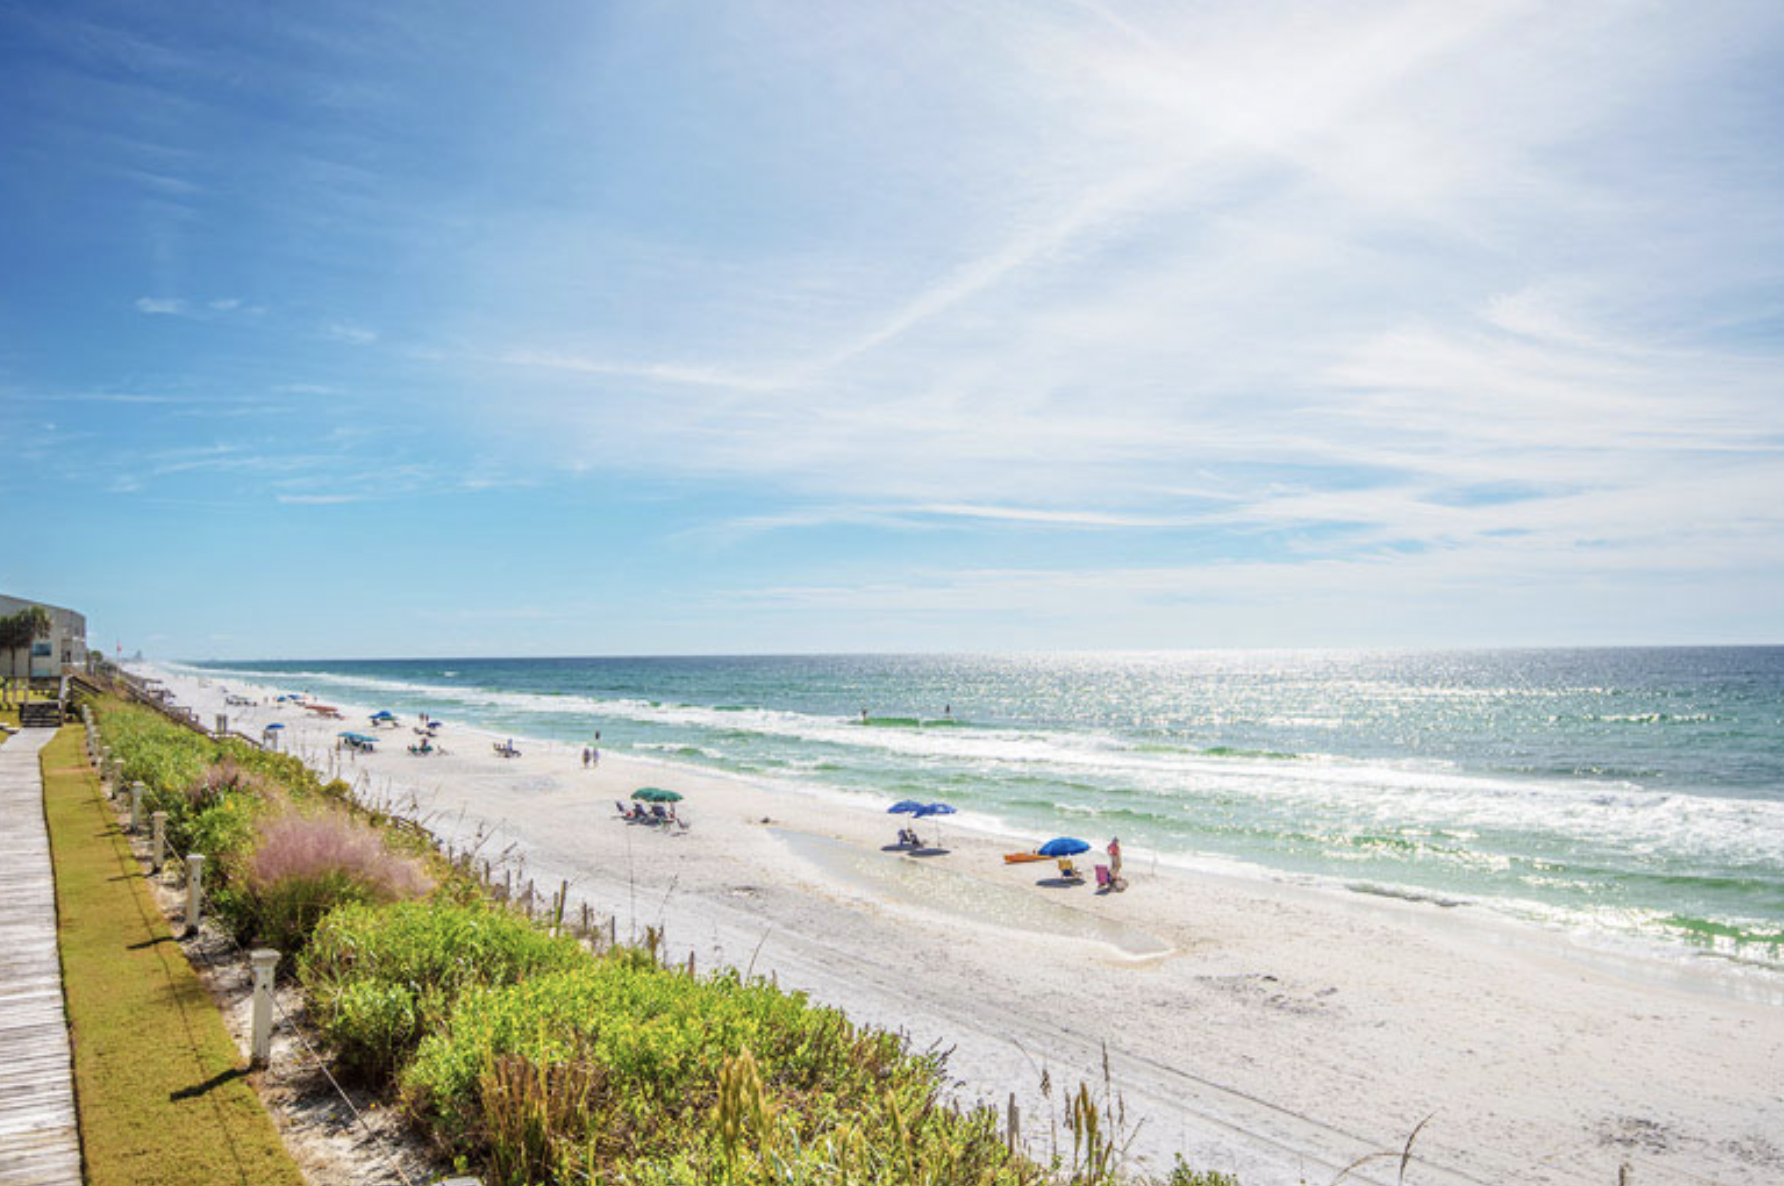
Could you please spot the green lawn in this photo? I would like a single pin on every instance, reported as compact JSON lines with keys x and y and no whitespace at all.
{"x":163,"y":1095}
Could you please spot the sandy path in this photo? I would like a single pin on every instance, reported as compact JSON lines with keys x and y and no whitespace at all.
{"x":1283,"y":1033}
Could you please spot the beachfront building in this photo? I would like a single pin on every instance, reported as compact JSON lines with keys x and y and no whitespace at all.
{"x":65,"y":648}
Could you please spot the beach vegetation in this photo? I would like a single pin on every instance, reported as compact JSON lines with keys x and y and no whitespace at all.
{"x":378,"y":979}
{"x":307,"y":863}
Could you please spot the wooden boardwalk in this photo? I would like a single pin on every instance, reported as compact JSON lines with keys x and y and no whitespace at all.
{"x":39,"y":1140}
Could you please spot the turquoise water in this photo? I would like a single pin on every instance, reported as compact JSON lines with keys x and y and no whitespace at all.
{"x":1629,"y":792}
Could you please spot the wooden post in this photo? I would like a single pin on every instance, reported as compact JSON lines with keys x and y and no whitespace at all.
{"x":1625,"y":1175}
{"x":690,"y":965}
{"x":1013,"y":1133}
{"x":563,"y":900}
{"x":507,"y":885}
{"x":136,"y":790}
{"x":158,"y":849}
{"x":585,"y":917}
{"x":613,"y":930}
{"x":108,"y":772}
{"x":264,"y":961}
{"x":194,"y":892}
{"x":529,"y":897}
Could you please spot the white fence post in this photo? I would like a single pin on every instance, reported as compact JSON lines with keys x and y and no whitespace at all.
{"x":158,"y":849}
{"x":194,"y":892}
{"x":135,"y":807}
{"x":264,"y":960}
{"x":108,"y":772}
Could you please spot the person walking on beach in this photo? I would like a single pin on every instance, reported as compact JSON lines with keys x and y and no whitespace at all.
{"x":585,"y":757}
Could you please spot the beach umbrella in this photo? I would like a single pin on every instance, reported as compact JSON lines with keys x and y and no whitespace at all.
{"x":926,"y":810}
{"x":656,"y":795}
{"x":903,"y":806}
{"x":1063,"y":846}
{"x":276,"y":725}
{"x":384,"y":714}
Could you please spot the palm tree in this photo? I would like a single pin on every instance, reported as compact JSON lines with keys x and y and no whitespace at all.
{"x":38,"y":624}
{"x":12,"y":628}
{"x":21,"y":630}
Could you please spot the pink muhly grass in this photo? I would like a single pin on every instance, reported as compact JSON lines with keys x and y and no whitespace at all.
{"x":314,"y":846}
{"x":220,"y":779}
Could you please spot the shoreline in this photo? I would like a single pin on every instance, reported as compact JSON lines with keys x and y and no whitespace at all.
{"x":1281,"y":1034}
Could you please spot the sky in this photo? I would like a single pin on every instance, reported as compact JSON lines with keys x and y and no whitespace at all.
{"x":367,"y":330}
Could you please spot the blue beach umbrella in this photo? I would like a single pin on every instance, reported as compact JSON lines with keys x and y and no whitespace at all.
{"x":384,"y":714}
{"x":1063,"y":846}
{"x":903,"y":806}
{"x":929,"y":809}
{"x":276,"y":725}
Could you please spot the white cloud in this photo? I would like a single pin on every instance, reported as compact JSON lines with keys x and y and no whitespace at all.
{"x":163,"y":306}
{"x":358,"y":335}
{"x":318,"y":499}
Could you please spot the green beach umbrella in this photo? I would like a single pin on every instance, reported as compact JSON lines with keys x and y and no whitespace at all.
{"x":656,"y":795}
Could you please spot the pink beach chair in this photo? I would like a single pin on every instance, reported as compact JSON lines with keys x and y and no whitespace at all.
{"x":1105,"y":881}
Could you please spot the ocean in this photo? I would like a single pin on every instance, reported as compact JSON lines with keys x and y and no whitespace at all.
{"x":1627,"y":795}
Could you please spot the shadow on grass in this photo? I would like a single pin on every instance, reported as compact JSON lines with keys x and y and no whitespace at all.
{"x":215,"y":1081}
{"x":148,"y":943}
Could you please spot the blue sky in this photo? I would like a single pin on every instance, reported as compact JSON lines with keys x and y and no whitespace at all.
{"x":458,"y":329}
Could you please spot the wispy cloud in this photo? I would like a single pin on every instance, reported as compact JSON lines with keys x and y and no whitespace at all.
{"x":308,"y":500}
{"x":222,"y":307}
{"x":358,"y":335}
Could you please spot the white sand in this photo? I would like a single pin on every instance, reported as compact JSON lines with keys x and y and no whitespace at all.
{"x":1285,"y":1033}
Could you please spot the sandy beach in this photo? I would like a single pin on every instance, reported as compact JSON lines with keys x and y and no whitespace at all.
{"x":1271,"y":1030}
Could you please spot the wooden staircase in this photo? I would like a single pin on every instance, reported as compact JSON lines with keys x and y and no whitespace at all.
{"x":41,"y":714}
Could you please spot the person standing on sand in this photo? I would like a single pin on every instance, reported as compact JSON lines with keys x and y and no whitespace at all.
{"x":1115,"y":857}
{"x":585,"y":757}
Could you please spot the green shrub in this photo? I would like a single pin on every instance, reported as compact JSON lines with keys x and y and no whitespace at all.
{"x":379,"y":978}
{"x":626,"y":1058}
{"x":284,"y":913}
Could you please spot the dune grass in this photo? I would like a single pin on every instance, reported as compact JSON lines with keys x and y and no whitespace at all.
{"x":162,"y":1090}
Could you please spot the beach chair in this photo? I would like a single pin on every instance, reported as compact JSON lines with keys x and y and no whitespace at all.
{"x":659,"y":813}
{"x":1068,"y":870}
{"x":1105,"y":881}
